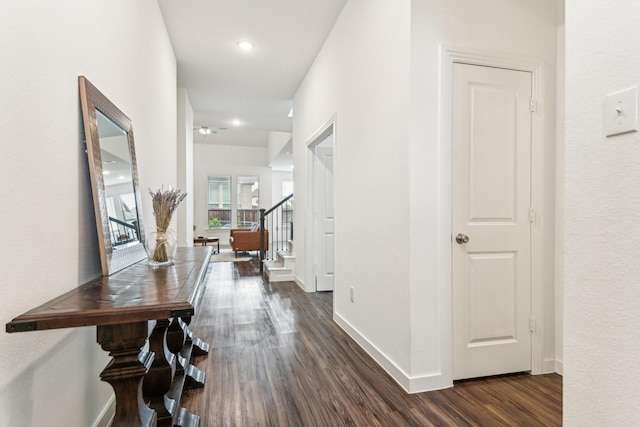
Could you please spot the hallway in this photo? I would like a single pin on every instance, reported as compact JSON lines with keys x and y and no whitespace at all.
{"x":277,"y":359}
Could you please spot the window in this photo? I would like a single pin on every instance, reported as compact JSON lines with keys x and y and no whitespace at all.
{"x":219,"y":202}
{"x":248,"y":201}
{"x":128,"y":203}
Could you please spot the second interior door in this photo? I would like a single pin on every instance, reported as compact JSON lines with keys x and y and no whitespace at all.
{"x":491,"y":229}
{"x":324,"y":215}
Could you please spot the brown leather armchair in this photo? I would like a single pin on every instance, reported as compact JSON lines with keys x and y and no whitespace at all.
{"x":243,"y":240}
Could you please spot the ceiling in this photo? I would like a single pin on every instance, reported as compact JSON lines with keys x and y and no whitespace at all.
{"x":256,"y":87}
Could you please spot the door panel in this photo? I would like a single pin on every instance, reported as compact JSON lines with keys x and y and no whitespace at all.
{"x":491,"y":289}
{"x":491,"y":193}
{"x":492,"y":153}
{"x":325,"y":237}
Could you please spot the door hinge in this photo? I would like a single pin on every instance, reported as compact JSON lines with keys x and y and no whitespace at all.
{"x":533,"y":105}
{"x":532,"y":215}
{"x":532,"y":324}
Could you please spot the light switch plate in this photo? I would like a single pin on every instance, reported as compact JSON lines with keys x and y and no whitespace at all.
{"x":621,"y":112}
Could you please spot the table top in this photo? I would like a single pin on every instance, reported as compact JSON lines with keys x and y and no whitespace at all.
{"x":200,"y":239}
{"x":137,"y":293}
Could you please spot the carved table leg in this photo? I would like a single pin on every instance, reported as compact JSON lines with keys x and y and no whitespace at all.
{"x":194,"y":378}
{"x":200,"y":348}
{"x":126,"y":370}
{"x":176,"y":343}
{"x":160,"y":377}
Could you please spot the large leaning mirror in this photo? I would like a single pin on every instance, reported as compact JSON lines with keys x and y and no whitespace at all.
{"x":114,"y":180}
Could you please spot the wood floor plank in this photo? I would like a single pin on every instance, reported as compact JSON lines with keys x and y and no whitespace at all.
{"x":278,"y":359}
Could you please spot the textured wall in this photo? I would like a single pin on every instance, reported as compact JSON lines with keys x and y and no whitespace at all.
{"x":361,"y":77}
{"x":602,"y":201}
{"x":490,"y":27}
{"x":49,"y":242}
{"x":383,"y":85}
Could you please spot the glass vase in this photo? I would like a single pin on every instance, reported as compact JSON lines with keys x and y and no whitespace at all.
{"x":161,"y":247}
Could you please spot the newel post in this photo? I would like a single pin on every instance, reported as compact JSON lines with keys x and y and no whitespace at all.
{"x":262,"y":211}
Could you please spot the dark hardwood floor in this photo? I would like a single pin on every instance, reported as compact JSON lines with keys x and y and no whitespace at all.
{"x":277,"y":359}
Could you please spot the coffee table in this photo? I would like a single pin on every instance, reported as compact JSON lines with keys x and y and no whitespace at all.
{"x":204,"y":240}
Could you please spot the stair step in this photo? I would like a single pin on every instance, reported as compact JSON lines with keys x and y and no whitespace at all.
{"x":286,"y":254}
{"x":277,"y":271}
{"x":274,"y":265}
{"x":287,"y":258}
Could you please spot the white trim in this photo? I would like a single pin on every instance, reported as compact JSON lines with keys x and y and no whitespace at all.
{"x":320,"y":134}
{"x":450,"y":55}
{"x":549,"y":366}
{"x":105,"y":417}
{"x":325,"y":130}
{"x":410,"y":384}
{"x":559,"y":368}
{"x":301,"y":283}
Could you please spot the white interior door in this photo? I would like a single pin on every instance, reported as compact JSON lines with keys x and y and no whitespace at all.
{"x":324,"y":215}
{"x":491,"y":197}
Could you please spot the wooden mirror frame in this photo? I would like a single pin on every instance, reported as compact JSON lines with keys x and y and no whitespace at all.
{"x":112,"y":260}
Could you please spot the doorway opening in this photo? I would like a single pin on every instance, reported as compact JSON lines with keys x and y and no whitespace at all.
{"x":321,"y":242}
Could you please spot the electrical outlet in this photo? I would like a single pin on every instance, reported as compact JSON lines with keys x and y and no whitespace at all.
{"x":352,"y":294}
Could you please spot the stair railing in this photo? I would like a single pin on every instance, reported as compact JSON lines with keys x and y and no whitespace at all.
{"x":278,"y":220}
{"x":122,"y":232}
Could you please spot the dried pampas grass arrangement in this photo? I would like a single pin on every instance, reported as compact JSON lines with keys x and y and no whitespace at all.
{"x":165,"y":202}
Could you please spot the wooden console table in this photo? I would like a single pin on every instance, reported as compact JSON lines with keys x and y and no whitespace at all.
{"x":128,"y":308}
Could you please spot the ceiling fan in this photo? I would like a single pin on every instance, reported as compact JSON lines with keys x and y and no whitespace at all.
{"x":204,"y":130}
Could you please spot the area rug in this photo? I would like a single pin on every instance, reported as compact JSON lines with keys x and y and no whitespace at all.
{"x":229,"y":257}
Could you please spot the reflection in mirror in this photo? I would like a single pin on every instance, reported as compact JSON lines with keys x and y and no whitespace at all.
{"x":118,"y":181}
{"x":114,"y":180}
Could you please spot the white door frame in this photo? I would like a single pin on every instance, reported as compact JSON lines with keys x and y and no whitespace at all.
{"x":318,"y":136}
{"x":450,"y":55}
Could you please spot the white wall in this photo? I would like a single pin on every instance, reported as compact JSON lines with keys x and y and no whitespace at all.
{"x":50,"y":244}
{"x":277,"y":178}
{"x":495,"y":27}
{"x":601,"y":267}
{"x":184,"y":215}
{"x":383,"y":85}
{"x":559,"y":231}
{"x":231,"y":161}
{"x":276,"y":144}
{"x":361,"y":77}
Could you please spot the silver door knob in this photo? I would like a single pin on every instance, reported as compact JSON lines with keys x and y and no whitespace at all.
{"x":461,"y":238}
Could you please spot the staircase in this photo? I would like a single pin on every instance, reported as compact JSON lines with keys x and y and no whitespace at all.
{"x":282,"y":268}
{"x":279,"y":262}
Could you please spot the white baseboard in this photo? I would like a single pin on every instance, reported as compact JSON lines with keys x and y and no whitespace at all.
{"x":559,"y":367}
{"x":106,"y":415}
{"x":410,"y":384}
{"x":549,"y":366}
{"x":300,"y":283}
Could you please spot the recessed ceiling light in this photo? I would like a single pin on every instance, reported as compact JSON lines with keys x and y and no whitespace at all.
{"x":236,"y":122}
{"x":245,"y":45}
